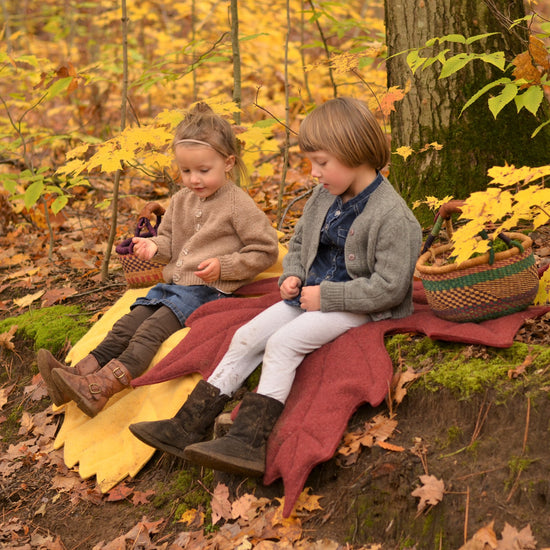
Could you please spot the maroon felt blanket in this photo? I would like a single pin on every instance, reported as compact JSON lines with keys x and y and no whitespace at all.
{"x":331,"y":383}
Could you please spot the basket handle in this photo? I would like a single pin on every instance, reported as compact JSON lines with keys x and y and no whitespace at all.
{"x":152,"y":208}
{"x":443,"y":215}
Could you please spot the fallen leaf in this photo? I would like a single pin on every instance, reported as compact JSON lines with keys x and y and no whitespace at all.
{"x":514,"y":373}
{"x":512,"y":539}
{"x":28,"y":299}
{"x":193,"y":518}
{"x":141,"y":497}
{"x":4,"y":393}
{"x":430,"y":493}
{"x":221,"y":507}
{"x":54,"y":296}
{"x":390,"y":446}
{"x":120,"y":492}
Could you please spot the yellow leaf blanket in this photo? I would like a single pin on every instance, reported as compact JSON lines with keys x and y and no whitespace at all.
{"x":104,"y":446}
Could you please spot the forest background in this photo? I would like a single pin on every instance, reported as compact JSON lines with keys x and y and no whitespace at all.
{"x":90,"y":95}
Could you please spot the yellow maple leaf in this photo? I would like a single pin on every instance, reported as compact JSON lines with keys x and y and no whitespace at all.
{"x":344,"y":62}
{"x":543,"y":294}
{"x":192,"y":517}
{"x":404,"y":151}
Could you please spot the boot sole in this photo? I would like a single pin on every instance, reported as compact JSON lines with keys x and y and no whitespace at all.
{"x":209,"y":458}
{"x":42,"y":358}
{"x":155,"y":443}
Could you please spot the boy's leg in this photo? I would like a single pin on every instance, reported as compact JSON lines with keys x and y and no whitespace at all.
{"x":247,"y":347}
{"x":287,"y":347}
{"x":121,"y":333}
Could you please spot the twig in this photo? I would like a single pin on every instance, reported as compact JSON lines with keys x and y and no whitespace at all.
{"x":466,"y":512}
{"x":94,"y":290}
{"x":480,"y":421}
{"x":462,"y":478}
{"x":526,"y":431}
{"x":525,"y":434}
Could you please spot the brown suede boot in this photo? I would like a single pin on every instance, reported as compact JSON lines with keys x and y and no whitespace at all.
{"x":242,"y":449}
{"x":192,"y":423}
{"x":91,"y":392}
{"x":47,"y":362}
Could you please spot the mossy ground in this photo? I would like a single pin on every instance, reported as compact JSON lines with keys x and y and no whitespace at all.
{"x":51,"y":328}
{"x":467,"y":421}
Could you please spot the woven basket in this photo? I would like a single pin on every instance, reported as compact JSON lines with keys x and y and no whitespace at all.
{"x":477,"y":290}
{"x":141,"y":273}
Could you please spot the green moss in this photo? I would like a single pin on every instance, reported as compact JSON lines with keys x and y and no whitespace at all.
{"x":454,"y":433}
{"x":466,"y":369}
{"x":187,"y":491}
{"x":50,"y":327}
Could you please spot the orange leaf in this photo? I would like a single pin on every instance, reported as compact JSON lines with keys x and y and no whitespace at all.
{"x":120,"y":492}
{"x":390,"y":446}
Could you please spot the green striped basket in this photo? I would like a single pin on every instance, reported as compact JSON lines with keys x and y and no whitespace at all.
{"x":477,"y":290}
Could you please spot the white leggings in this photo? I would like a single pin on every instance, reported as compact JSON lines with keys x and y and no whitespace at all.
{"x":279,"y":337}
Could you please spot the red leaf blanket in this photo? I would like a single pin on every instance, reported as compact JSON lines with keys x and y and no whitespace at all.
{"x":331,"y":383}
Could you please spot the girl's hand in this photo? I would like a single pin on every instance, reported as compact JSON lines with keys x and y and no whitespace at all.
{"x":311,"y":298}
{"x":290,"y":287}
{"x":144,"y":248}
{"x":209,"y":270}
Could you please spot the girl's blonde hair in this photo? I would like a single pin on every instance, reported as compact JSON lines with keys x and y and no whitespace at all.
{"x":203,"y":125}
{"x":346,"y":128}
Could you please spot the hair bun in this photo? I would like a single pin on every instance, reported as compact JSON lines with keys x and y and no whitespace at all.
{"x":201,"y":108}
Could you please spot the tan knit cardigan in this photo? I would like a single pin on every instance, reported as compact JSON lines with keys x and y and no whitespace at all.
{"x":228,"y":225}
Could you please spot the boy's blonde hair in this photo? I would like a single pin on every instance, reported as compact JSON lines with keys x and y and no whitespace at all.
{"x":346,"y":128}
{"x":203,"y":125}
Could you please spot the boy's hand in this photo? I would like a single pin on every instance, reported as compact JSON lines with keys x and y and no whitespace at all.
{"x":209,"y":270}
{"x":144,"y":248}
{"x":311,"y":298}
{"x":290,"y":288}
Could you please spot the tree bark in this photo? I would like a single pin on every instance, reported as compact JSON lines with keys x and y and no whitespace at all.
{"x":430,"y":112}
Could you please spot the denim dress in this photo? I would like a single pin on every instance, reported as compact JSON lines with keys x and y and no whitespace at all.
{"x":330,"y":263}
{"x":182,"y":300}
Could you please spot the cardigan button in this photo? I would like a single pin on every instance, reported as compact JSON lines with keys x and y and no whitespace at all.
{"x":351,"y":257}
{"x":351,"y":232}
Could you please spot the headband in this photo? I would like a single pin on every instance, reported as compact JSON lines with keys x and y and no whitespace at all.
{"x":197,"y":141}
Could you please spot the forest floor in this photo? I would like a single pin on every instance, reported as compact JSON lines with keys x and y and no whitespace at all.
{"x":480,"y":465}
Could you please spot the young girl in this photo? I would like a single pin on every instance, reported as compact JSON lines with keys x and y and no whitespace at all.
{"x":213,"y":238}
{"x":350,"y":261}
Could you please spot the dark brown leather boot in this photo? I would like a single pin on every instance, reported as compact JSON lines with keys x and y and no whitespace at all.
{"x":91,"y":392}
{"x":47,"y":362}
{"x":242,"y":449}
{"x":192,"y":423}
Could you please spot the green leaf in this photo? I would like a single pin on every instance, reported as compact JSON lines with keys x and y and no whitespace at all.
{"x":477,"y":37}
{"x":453,"y":38}
{"x":414,"y":60}
{"x":485,"y":89}
{"x":455,"y":63}
{"x":539,"y":128}
{"x":33,"y":193}
{"x":9,"y":182}
{"x":59,"y":86}
{"x":496,"y":58}
{"x":497,"y":103}
{"x":266,"y":123}
{"x":530,"y":99}
{"x":59,"y":203}
{"x":252,"y":36}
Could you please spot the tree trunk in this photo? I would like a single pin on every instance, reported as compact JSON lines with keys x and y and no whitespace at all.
{"x":474,"y":141}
